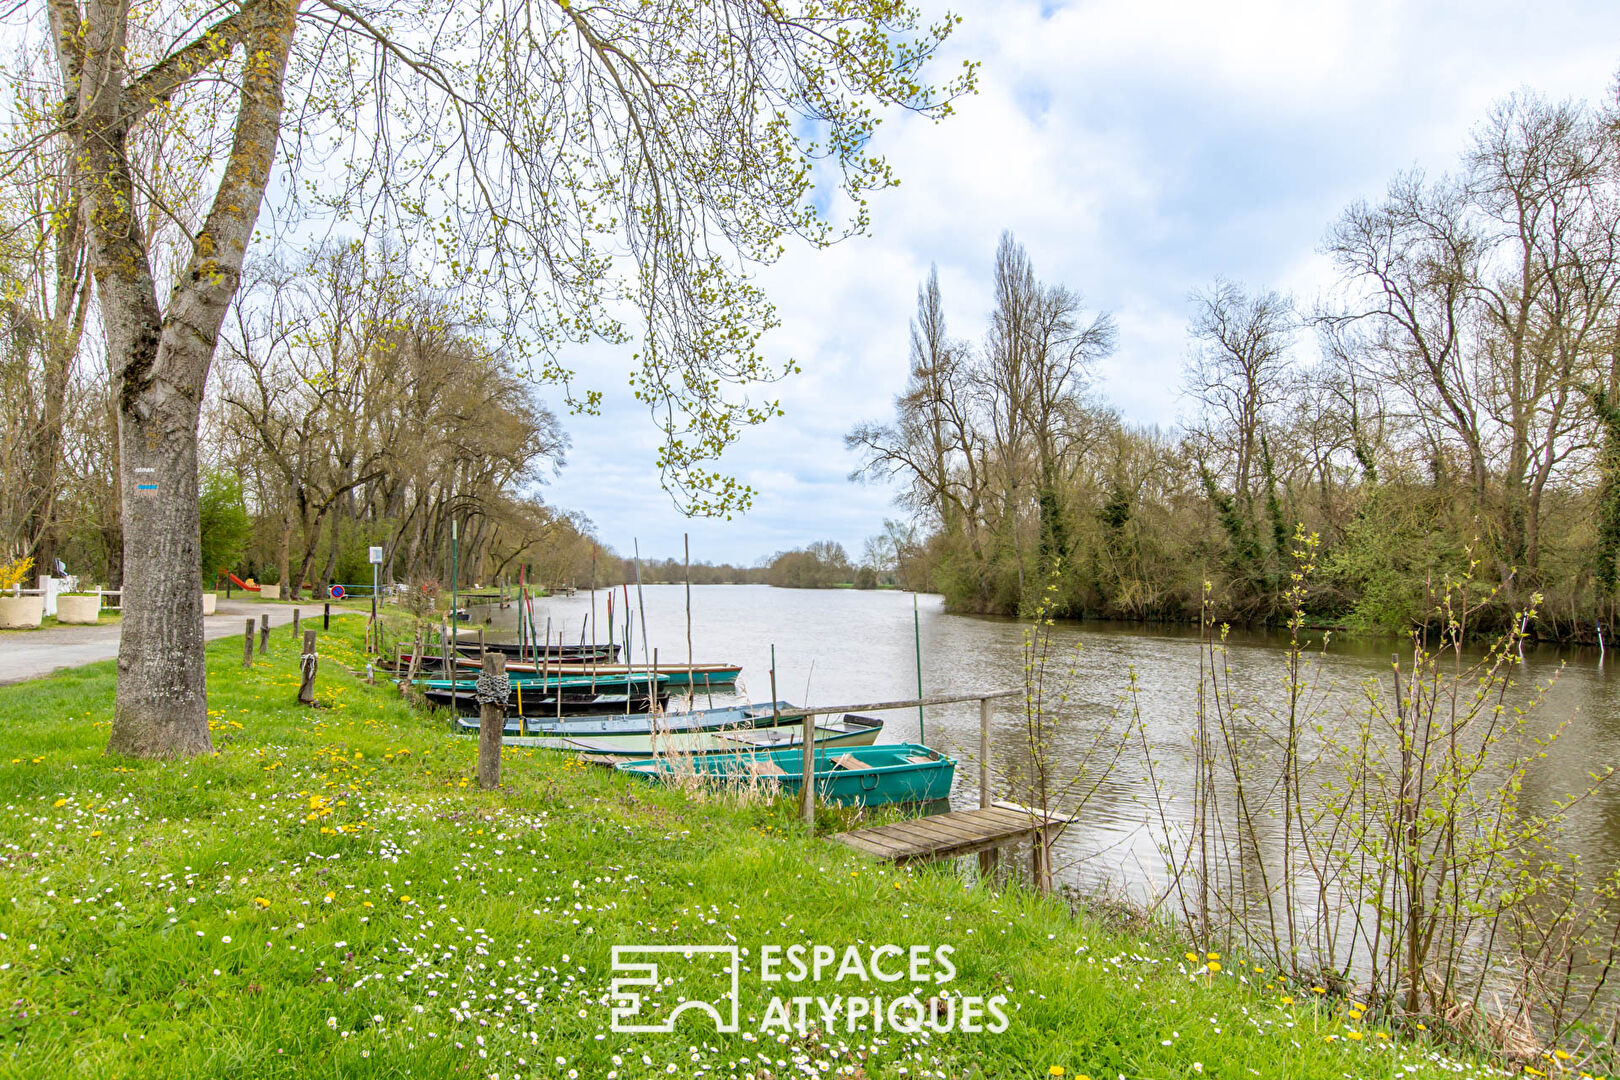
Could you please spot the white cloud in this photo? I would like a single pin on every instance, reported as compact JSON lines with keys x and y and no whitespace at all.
{"x":1137,"y":149}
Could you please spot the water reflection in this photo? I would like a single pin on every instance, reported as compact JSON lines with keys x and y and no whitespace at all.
{"x":843,"y":646}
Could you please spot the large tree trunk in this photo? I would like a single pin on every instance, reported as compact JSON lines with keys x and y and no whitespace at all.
{"x":160,"y":358}
{"x":162,"y":689}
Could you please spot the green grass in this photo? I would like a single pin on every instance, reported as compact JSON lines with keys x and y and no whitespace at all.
{"x":332,"y":895}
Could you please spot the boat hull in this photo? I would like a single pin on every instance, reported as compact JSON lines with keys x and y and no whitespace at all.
{"x":727,"y":719}
{"x":864,"y":776}
{"x":680,"y":746}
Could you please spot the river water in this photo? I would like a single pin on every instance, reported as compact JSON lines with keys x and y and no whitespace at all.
{"x":843,"y":646}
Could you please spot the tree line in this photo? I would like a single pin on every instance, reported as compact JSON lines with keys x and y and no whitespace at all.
{"x":1450,"y":406}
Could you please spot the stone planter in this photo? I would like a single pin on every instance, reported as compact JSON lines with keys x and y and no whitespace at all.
{"x":82,"y":610}
{"x":21,"y":612}
{"x":269,"y":592}
{"x":209,"y":602}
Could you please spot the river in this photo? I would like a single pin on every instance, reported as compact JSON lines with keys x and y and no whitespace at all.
{"x":844,"y":646}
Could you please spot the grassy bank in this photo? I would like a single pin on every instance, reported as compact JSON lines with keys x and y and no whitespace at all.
{"x":331,"y":895}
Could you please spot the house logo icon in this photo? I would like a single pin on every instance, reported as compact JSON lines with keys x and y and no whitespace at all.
{"x":641,"y":971}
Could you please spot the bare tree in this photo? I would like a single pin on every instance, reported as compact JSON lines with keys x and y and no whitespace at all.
{"x":681,"y":133}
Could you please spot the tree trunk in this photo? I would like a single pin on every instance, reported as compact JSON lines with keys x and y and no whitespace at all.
{"x":159,"y":358}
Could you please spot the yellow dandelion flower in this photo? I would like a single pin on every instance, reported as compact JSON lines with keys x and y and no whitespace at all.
{"x":1561,"y":1055}
{"x":1356,"y":1035}
{"x":1318,"y":989}
{"x":330,"y":897}
{"x":1286,"y":1000}
{"x":1533,"y":1071}
{"x":404,"y":899}
{"x":261,"y":901}
{"x":59,"y":802}
{"x":1192,"y":958}
{"x":1212,"y":956}
{"x":95,"y":832}
{"x":1423,"y":1027}
{"x":1055,"y":1070}
{"x":1213,"y":966}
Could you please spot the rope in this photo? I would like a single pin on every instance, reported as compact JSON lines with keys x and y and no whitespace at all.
{"x":492,"y":689}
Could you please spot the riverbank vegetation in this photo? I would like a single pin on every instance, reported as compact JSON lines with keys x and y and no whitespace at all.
{"x":331,"y":893}
{"x":1455,"y":391}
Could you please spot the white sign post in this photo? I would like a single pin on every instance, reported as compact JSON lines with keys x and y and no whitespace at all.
{"x":374,"y":556}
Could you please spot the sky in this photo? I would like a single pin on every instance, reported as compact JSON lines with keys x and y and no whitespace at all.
{"x":1138,"y":149}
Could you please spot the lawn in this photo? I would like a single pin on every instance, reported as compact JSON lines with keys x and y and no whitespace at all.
{"x":332,"y":895}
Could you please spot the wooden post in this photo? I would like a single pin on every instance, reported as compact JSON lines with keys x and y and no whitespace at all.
{"x":264,"y":632}
{"x":326,"y":616}
{"x":247,"y":646}
{"x":307,"y":662}
{"x":295,"y":622}
{"x":491,"y":724}
{"x":987,"y":859}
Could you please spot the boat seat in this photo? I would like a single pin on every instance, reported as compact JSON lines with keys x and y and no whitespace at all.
{"x":847,"y":761}
{"x":765,"y":768}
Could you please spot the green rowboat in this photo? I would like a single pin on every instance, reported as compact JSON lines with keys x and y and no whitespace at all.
{"x":864,"y":775}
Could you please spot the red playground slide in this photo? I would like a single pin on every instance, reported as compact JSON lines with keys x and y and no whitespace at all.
{"x":240,"y":584}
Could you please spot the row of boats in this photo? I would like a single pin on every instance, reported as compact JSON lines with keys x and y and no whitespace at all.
{"x":580,"y":699}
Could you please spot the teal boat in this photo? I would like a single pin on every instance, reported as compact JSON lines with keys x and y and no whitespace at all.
{"x":530,"y":683}
{"x":857,"y":776}
{"x":646,"y":724}
{"x":851,"y":731}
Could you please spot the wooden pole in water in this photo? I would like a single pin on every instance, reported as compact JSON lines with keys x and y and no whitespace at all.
{"x":247,"y":646}
{"x":559,"y":673}
{"x":491,"y":724}
{"x":987,"y":859}
{"x":641,"y":602}
{"x":652,"y":686}
{"x":691,"y":690}
{"x":307,"y":662}
{"x":916,"y":634}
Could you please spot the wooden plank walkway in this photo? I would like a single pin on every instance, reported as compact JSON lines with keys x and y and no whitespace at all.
{"x":961,"y":832}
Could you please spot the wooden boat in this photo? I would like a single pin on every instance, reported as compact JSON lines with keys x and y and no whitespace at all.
{"x":530,"y":684}
{"x":732,"y":718}
{"x":544,"y":702}
{"x":554,"y":651}
{"x":864,"y":775}
{"x":700,"y":676}
{"x":678,"y":746}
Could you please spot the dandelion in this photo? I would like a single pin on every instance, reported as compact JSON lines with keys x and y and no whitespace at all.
{"x":261,"y":901}
{"x":1213,"y":956}
{"x":1213,"y":966}
{"x":59,"y":803}
{"x":1318,"y":989}
{"x":1055,"y":1070}
{"x":1287,"y":1000}
{"x":1356,"y":1035}
{"x":1192,"y":958}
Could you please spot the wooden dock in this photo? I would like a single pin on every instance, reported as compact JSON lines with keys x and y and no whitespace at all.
{"x":961,"y":832}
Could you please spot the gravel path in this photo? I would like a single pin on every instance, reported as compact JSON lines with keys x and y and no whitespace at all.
{"x":30,"y":654}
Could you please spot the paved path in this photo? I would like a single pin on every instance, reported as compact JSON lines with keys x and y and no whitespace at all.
{"x":40,"y":652}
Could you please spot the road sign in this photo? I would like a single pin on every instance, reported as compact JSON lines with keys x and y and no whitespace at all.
{"x":376,"y":555}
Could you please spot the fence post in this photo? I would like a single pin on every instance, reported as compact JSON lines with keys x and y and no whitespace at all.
{"x":264,"y":632}
{"x":326,"y":616}
{"x":491,"y":724}
{"x":247,"y":646}
{"x":307,"y":662}
{"x":295,"y":622}
{"x":987,"y":859}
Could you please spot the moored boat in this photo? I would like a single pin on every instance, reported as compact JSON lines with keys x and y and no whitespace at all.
{"x":862,"y":775}
{"x":544,"y":702}
{"x":733,"y":718}
{"x":679,"y":746}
